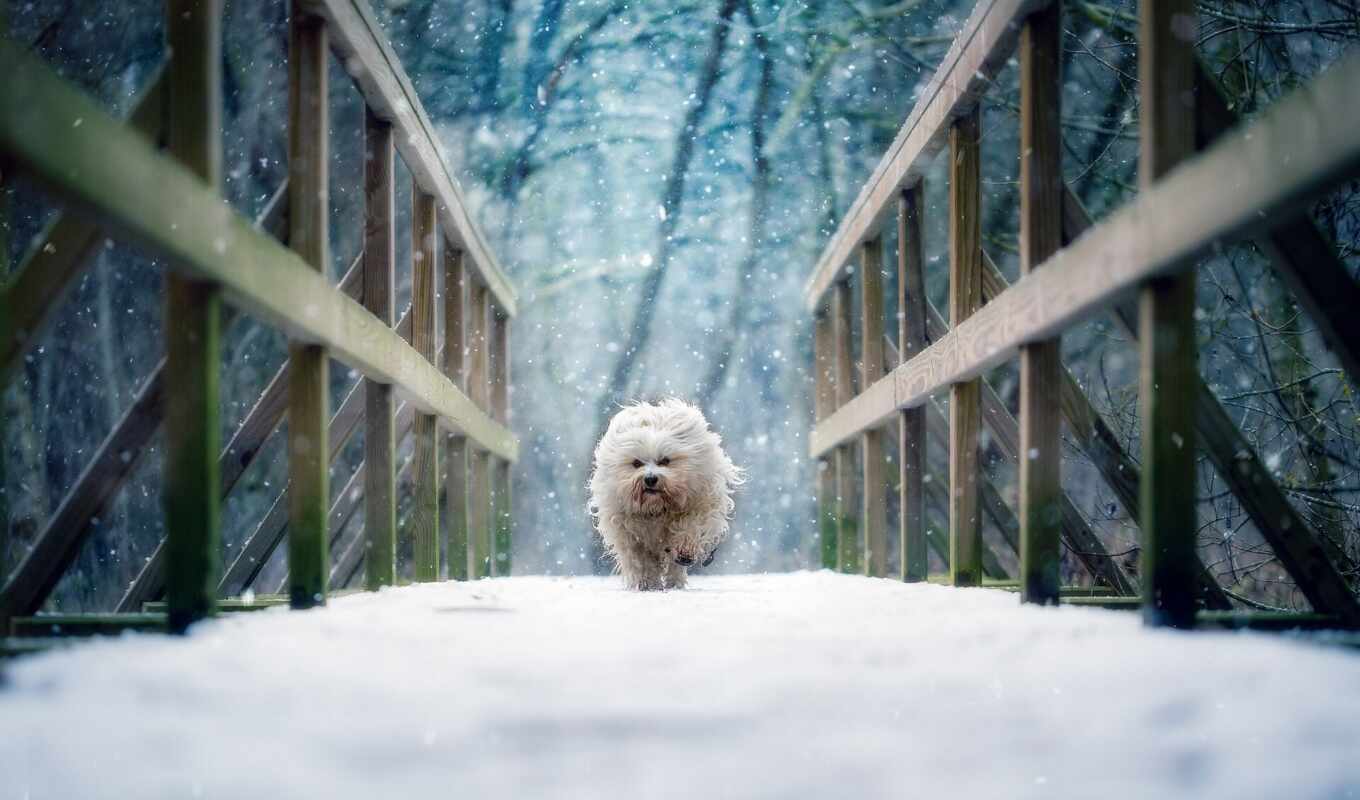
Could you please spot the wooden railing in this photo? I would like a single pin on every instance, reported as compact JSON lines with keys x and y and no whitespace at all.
{"x":452,"y":396}
{"x":1250,"y":181}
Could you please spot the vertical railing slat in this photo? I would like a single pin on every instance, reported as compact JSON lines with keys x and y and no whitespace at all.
{"x":874,"y":508}
{"x":308,"y":384}
{"x":911,"y":340}
{"x":1041,"y":188}
{"x":193,"y":327}
{"x":455,"y":444}
{"x":824,"y":402}
{"x":847,"y":537}
{"x":1166,"y":337}
{"x":479,"y":461}
{"x":965,"y":297}
{"x":424,"y":519}
{"x":500,"y":410}
{"x":380,"y":492}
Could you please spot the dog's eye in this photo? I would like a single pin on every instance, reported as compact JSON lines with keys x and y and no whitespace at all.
{"x":665,"y":462}
{"x":636,"y":463}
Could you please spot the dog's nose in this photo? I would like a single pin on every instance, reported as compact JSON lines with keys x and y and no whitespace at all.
{"x":650,"y":480}
{"x":684,"y":560}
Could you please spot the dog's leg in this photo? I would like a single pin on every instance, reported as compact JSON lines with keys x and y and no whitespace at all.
{"x":675,"y":576}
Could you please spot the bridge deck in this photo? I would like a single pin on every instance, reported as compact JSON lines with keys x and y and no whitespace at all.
{"x":803,"y":685}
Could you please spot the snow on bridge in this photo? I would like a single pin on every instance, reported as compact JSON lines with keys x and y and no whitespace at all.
{"x":800,"y":685}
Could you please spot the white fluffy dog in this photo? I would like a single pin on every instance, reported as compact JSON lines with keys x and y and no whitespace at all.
{"x":661,"y":492}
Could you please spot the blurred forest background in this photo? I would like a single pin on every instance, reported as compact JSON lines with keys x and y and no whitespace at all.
{"x":658,"y":179}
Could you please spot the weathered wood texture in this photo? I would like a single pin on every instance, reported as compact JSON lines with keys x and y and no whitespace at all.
{"x":1076,"y":532}
{"x":117,"y":457}
{"x":911,"y":340}
{"x":501,"y":474}
{"x":193,"y":320}
{"x":456,"y":463}
{"x":847,"y":536}
{"x":309,"y":374}
{"x":380,"y":487}
{"x":874,"y":506}
{"x":981,"y":48}
{"x":360,"y":43}
{"x":824,"y":402}
{"x":197,"y":232}
{"x":256,"y":551}
{"x":240,"y":452}
{"x":479,"y":463}
{"x":1041,"y":188}
{"x":965,"y":298}
{"x":423,"y":522}
{"x":1231,"y":187}
{"x":37,"y":287}
{"x":1168,"y":351}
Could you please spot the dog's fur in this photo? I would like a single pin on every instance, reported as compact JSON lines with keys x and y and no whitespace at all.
{"x":654,"y":533}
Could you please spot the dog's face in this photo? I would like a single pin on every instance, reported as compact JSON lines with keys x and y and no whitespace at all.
{"x":656,"y":459}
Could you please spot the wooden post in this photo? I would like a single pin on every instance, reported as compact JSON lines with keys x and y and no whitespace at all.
{"x":1169,"y":373}
{"x":193,"y":328}
{"x":1041,"y":190}
{"x":308,"y":384}
{"x":380,"y":488}
{"x":824,"y":402}
{"x":911,"y":340}
{"x":455,"y":444}
{"x":479,"y":461}
{"x":423,"y":527}
{"x":500,"y":409}
{"x":965,"y":297}
{"x":874,"y":510}
{"x":847,"y":537}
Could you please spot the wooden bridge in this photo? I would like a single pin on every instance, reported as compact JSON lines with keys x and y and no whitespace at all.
{"x":451,"y":396}
{"x":806,"y":684}
{"x":1205,"y":179}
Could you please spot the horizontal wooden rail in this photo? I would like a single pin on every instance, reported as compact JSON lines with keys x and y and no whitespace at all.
{"x":184,"y":222}
{"x":1228,"y":190}
{"x":979,"y":51}
{"x":361,"y":45}
{"x":34,"y":292}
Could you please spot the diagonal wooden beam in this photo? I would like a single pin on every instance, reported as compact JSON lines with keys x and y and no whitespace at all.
{"x":243,"y":447}
{"x":256,"y":551}
{"x":348,"y":554}
{"x":1083,"y":542}
{"x":1301,"y":551}
{"x":36,"y":290}
{"x":117,"y":457}
{"x":1303,"y":258}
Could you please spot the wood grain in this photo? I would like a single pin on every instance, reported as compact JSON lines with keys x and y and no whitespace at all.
{"x":874,"y":505}
{"x":456,"y":463}
{"x":965,"y":298}
{"x":193,"y":327}
{"x":1041,"y":185}
{"x":847,"y":537}
{"x":1168,"y":352}
{"x":309,"y":363}
{"x":98,"y":165}
{"x":37,"y":287}
{"x":824,"y":402}
{"x":423,"y":523}
{"x":911,"y":337}
{"x":380,"y":238}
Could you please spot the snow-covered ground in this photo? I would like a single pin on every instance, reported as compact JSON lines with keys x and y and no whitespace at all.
{"x":804,"y":685}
